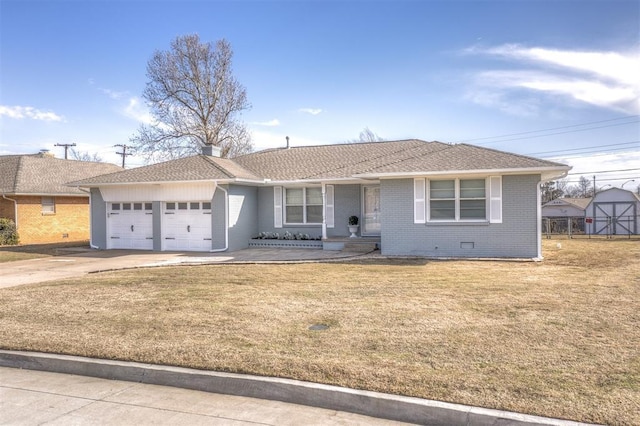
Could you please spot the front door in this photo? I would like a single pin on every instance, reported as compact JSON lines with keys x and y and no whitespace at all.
{"x":371,"y":210}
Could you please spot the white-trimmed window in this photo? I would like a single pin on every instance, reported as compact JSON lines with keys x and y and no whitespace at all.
{"x":303,"y":205}
{"x":458,"y":200}
{"x":48,"y":205}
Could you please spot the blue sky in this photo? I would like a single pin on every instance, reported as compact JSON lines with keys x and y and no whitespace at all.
{"x":556,"y":77}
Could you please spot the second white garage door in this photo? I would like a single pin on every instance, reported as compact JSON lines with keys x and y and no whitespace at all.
{"x":187,"y":226}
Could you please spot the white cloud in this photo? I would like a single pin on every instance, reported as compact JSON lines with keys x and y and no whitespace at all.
{"x":113,"y":94}
{"x":21,"y":112}
{"x":604,"y":79}
{"x":312,"y":111}
{"x":271,"y":123}
{"x":138,"y":111}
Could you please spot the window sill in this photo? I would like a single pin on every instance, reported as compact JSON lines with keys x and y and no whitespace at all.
{"x":458,"y":223}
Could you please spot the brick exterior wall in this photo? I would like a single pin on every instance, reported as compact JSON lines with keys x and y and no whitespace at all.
{"x":7,"y":208}
{"x":516,"y":236}
{"x":71,"y":218}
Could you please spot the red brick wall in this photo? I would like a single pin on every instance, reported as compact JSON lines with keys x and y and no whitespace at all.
{"x":71,"y":217}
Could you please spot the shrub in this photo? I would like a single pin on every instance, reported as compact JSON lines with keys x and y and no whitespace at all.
{"x":8,"y":232}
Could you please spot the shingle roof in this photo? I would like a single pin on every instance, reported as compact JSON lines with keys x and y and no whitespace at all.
{"x":194,"y":168}
{"x":460,"y":157}
{"x":333,"y":161}
{"x":329,"y":162}
{"x":43,"y":174}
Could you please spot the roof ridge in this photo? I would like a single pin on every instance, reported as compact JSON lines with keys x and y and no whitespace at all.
{"x":369,"y":159}
{"x":217,"y":166}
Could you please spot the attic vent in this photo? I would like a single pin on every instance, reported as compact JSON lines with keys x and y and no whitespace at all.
{"x":211,"y":150}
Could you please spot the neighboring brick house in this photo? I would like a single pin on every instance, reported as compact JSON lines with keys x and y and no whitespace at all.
{"x":33,"y":194}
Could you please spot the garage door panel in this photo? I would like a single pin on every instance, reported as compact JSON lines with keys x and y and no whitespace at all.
{"x":187,"y":226}
{"x":130,"y":226}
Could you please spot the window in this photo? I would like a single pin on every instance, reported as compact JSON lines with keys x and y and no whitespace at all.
{"x":457,"y":200}
{"x":48,"y":205}
{"x":303,"y":205}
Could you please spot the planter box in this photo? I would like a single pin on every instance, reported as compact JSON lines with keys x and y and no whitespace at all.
{"x":309,"y":244}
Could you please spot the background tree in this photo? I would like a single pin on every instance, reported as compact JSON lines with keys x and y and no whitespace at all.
{"x":194,"y":101}
{"x":580,"y":190}
{"x":550,"y":191}
{"x":85,"y":156}
{"x":367,"y":135}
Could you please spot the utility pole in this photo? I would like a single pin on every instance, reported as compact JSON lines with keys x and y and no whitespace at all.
{"x":124,"y":152}
{"x":594,"y":186}
{"x":66,"y":147}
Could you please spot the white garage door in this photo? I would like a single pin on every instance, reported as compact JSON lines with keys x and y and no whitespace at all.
{"x":187,"y":226}
{"x":130,"y":226}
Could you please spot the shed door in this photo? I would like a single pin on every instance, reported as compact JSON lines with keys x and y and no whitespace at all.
{"x":130,"y":226}
{"x":187,"y":226}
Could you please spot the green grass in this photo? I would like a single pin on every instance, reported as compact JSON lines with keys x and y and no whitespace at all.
{"x":559,"y":338}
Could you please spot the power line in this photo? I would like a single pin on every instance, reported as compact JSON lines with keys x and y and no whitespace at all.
{"x":605,"y":171}
{"x":583,"y":148}
{"x":555,"y":128}
{"x":557,"y":133}
{"x":594,"y":153}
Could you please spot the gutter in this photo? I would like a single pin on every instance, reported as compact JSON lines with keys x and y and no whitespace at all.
{"x":226,"y":221}
{"x":543,"y":180}
{"x":15,"y":209}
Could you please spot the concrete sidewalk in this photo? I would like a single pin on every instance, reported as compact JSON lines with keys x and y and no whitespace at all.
{"x":36,"y":397}
{"x":298,"y":397}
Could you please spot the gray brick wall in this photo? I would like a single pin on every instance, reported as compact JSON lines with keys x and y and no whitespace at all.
{"x":347,"y":202}
{"x":243,"y":207}
{"x":98,"y":219}
{"x":516,"y":236}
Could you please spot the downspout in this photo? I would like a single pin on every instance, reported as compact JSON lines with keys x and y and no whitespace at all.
{"x":15,"y":209}
{"x":90,"y":221}
{"x":539,"y":210}
{"x":226,"y":220}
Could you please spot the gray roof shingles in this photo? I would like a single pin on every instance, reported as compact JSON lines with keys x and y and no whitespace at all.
{"x":43,"y":174}
{"x":329,"y":162}
{"x":194,"y":168}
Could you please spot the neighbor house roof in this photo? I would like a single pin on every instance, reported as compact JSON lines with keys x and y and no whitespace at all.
{"x":194,"y":168}
{"x":333,"y":162}
{"x":41,"y":174}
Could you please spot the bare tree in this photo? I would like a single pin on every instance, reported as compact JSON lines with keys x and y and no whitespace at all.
{"x":581,"y":190}
{"x":367,"y":135}
{"x":194,"y":100}
{"x":550,"y":191}
{"x":85,"y":156}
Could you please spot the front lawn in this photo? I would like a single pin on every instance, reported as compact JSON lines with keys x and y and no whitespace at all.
{"x":559,"y":338}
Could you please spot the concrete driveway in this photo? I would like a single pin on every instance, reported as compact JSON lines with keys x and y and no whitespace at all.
{"x":77,"y":262}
